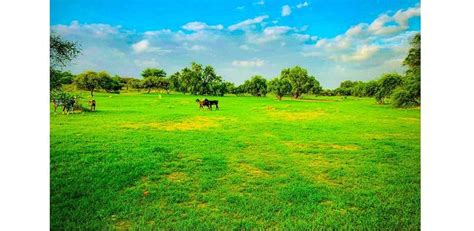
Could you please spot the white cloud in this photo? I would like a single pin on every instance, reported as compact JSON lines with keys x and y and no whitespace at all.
{"x":194,"y":47}
{"x":401,"y":17}
{"x":144,"y":46}
{"x":246,"y":23}
{"x":302,"y":37}
{"x":269,"y":34}
{"x":248,"y":63}
{"x":197,"y":26}
{"x":285,"y":10}
{"x":301,"y":5}
{"x":261,"y":2}
{"x":141,"y":46}
{"x":361,"y":54}
{"x":240,"y":8}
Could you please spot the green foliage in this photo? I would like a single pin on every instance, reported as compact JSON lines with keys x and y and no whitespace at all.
{"x":413,"y":59}
{"x":108,"y":83}
{"x":314,"y":86}
{"x":149,"y":72}
{"x":299,"y":79}
{"x":410,"y":92}
{"x":59,"y":78}
{"x":150,"y":83}
{"x":280,"y":87}
{"x":88,"y":80}
{"x":61,"y":52}
{"x":402,"y":97}
{"x":256,"y":86}
{"x":386,"y":85}
{"x":371,"y":88}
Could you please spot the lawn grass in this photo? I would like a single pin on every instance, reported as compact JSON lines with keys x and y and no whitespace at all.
{"x":141,"y":161}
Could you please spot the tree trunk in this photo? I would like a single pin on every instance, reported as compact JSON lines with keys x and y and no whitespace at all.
{"x":92,"y":92}
{"x":149,"y":89}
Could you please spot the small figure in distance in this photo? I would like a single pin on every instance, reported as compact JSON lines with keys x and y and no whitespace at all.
{"x":92,"y":103}
{"x":212,"y":102}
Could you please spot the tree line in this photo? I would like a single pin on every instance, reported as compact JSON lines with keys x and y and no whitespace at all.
{"x":402,"y":90}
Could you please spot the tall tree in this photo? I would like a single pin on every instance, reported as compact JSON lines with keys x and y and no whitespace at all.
{"x":152,"y":78}
{"x":149,"y":72}
{"x":299,"y":80}
{"x":88,"y":80}
{"x":257,"y":86}
{"x":387,"y":84}
{"x":280,"y":87}
{"x":61,"y":51}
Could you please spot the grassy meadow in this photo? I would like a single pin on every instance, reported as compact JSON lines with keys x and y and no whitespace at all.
{"x":150,"y":162}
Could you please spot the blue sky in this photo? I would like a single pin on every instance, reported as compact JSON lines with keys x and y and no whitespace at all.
{"x":334,"y":40}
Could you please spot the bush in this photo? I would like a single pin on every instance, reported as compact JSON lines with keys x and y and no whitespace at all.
{"x":403,"y":98}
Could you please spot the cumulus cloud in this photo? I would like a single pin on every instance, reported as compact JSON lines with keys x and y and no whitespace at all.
{"x":197,"y":26}
{"x":248,"y":63}
{"x":301,"y":5}
{"x":358,"y":53}
{"x":285,"y":10}
{"x":362,"y":53}
{"x":144,"y":46}
{"x":269,"y":34}
{"x":363,"y":41}
{"x":246,"y":23}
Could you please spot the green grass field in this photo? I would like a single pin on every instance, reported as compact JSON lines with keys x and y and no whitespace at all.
{"x":151,"y":163}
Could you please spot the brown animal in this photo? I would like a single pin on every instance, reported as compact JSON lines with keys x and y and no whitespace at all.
{"x":202,"y":103}
{"x":92,"y":103}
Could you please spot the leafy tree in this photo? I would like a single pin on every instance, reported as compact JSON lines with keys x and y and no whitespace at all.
{"x":314,"y":86}
{"x":152,"y":78}
{"x":413,"y":59}
{"x":164,"y":83}
{"x":61,"y":51}
{"x":135,"y":83}
{"x":387,"y":84}
{"x":127,"y":82}
{"x":280,"y":87}
{"x":239,"y":90}
{"x":327,"y":92}
{"x":150,"y":82}
{"x":88,"y":80}
{"x":371,"y":88}
{"x":59,"y":78}
{"x":175,"y":82}
{"x":410,"y":92}
{"x":149,"y":72}
{"x":402,"y":97}
{"x":229,"y":87}
{"x":299,"y":80}
{"x":256,"y":86}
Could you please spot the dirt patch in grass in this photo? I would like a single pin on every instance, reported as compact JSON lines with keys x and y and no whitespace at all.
{"x":177,"y":176}
{"x":195,"y":123}
{"x":123,"y":225}
{"x":294,"y":115}
{"x":316,"y":100}
{"x":251,"y":170}
{"x":301,"y":147}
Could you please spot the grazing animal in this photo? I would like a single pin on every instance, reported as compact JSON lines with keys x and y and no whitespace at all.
{"x":68,"y":105}
{"x":201,"y":103}
{"x":212,"y":102}
{"x":92,"y":103}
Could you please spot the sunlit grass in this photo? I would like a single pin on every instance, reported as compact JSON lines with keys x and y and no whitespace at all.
{"x":151,"y":162}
